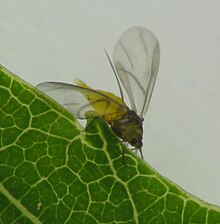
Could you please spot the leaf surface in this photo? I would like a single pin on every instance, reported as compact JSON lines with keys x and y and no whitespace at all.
{"x":54,"y":171}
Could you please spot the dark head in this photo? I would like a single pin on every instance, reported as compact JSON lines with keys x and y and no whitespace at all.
{"x":136,"y":142}
{"x":133,"y":134}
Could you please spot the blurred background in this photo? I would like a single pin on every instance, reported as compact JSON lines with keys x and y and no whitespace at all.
{"x":63,"y":40}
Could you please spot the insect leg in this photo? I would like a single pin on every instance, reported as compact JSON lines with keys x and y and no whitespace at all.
{"x":140,"y":150}
{"x":142,"y":157}
{"x":91,"y":116}
{"x":123,"y":156}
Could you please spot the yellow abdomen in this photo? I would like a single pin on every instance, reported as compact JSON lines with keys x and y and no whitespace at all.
{"x":111,"y":107}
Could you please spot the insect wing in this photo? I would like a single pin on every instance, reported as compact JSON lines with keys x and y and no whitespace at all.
{"x":78,"y":100}
{"x":136,"y":59}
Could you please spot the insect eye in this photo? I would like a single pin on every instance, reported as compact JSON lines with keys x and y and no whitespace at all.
{"x":134,"y":141}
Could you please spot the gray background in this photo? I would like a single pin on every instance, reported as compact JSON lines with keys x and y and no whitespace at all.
{"x":63,"y":40}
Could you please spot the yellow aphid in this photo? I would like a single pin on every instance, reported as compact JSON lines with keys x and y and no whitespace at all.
{"x":135,"y":64}
{"x":123,"y":121}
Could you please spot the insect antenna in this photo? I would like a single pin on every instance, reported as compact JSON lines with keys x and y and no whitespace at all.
{"x":116,"y":76}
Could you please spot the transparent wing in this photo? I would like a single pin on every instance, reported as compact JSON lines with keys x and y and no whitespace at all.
{"x":78,"y":100}
{"x":136,"y":60}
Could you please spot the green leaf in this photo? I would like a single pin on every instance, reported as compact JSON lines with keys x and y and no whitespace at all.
{"x":54,"y":171}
